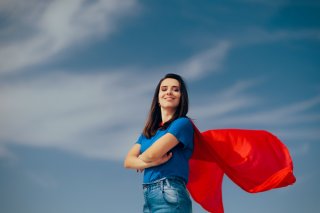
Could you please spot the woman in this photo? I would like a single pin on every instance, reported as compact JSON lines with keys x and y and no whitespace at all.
{"x":164,"y":148}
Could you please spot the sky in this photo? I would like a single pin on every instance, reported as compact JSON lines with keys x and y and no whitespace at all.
{"x":77,"y":78}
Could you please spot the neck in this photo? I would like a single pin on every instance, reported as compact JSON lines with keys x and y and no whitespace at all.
{"x":167,"y":114}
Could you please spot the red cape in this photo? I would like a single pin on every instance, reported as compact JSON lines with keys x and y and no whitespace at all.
{"x":255,"y":160}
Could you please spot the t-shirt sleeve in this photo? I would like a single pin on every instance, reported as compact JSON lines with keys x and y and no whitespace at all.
{"x":139,"y":140}
{"x":182,"y":129}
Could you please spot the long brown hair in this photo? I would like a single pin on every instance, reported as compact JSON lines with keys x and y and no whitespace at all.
{"x":154,"y":118}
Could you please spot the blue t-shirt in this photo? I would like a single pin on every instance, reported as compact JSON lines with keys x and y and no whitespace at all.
{"x":178,"y":165}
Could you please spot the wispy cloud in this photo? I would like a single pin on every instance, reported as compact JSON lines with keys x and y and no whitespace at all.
{"x":228,"y":100}
{"x":283,"y":115}
{"x":87,"y":113}
{"x":52,"y":26}
{"x":205,"y":62}
{"x":80,"y":113}
{"x":94,"y":114}
{"x":200,"y":64}
{"x":254,"y":35}
{"x":240,"y":108}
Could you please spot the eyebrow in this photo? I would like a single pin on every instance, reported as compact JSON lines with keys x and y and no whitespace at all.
{"x":167,"y":86}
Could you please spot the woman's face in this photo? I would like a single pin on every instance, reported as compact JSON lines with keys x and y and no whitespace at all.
{"x":169,"y":93}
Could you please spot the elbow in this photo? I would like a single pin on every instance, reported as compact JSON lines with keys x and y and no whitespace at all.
{"x":126,"y":164}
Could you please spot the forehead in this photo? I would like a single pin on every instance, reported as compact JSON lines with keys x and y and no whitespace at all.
{"x":170,"y":82}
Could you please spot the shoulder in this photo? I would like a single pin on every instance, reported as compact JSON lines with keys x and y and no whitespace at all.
{"x":182,"y":122}
{"x":140,"y":138}
{"x":182,"y":129}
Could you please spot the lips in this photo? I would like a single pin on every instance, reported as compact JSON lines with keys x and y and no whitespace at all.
{"x":169,"y":98}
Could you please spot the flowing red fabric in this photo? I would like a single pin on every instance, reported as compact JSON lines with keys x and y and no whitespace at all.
{"x":255,"y":160}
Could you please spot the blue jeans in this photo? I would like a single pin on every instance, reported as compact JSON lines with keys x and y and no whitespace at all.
{"x":168,"y":195}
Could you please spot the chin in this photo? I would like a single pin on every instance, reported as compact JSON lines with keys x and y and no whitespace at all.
{"x":170,"y":106}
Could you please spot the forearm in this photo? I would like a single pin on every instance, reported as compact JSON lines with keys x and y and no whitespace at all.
{"x":159,"y":148}
{"x":147,"y":157}
{"x":134,"y":162}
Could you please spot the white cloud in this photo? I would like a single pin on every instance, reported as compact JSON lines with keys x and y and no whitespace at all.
{"x":285,"y":115}
{"x":205,"y":62}
{"x":100,"y":114}
{"x":52,"y":26}
{"x":228,"y":100}
{"x":197,"y":66}
{"x":299,"y":133}
{"x":259,"y":36}
{"x":200,"y":64}
{"x":95,"y":115}
{"x":236,"y":107}
{"x":89,"y":114}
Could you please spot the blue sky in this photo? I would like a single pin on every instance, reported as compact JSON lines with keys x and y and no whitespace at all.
{"x":77,"y":78}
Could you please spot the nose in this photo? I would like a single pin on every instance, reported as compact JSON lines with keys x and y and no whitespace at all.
{"x":169,"y":92}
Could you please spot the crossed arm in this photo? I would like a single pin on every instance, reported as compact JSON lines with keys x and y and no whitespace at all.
{"x":155,"y":155}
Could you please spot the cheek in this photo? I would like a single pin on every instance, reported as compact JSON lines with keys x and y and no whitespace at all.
{"x":160,"y":95}
{"x":178,"y":100}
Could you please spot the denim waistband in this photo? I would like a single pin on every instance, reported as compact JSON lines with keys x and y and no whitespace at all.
{"x":163,"y":182}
